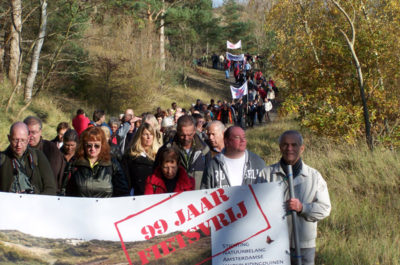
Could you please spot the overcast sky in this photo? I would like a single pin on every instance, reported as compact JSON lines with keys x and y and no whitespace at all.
{"x":217,"y":3}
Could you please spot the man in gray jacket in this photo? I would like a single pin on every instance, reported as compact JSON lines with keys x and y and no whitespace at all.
{"x":312,"y":202}
{"x":236,"y":165}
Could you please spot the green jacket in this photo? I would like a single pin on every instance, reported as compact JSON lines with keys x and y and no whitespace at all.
{"x":37,"y":167}
{"x":105,"y":179}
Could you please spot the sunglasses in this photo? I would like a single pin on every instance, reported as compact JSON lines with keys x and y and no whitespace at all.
{"x":90,"y":146}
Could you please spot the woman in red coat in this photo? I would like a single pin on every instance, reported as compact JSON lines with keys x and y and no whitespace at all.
{"x":169,"y":176}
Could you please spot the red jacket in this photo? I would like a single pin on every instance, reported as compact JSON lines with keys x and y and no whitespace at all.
{"x":258,"y":75}
{"x":156,"y":185}
{"x":262,"y":93}
{"x":80,"y":123}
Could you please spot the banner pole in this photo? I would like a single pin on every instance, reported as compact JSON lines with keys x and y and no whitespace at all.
{"x":294,"y":217}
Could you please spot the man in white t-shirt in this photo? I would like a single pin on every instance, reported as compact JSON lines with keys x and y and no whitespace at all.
{"x":236,"y":165}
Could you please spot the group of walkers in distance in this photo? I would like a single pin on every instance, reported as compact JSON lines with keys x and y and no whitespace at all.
{"x":173,"y":150}
{"x":261,"y":94}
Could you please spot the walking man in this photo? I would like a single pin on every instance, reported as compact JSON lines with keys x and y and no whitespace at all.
{"x":312,"y":202}
{"x":236,"y":165}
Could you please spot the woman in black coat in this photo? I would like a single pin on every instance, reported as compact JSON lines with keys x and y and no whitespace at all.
{"x":139,"y":159}
{"x":95,"y":174}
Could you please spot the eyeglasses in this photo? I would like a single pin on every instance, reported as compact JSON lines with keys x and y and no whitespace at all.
{"x":90,"y":146}
{"x":17,"y":141}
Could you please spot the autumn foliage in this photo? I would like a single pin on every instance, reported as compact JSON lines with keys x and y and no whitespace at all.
{"x":321,"y":82}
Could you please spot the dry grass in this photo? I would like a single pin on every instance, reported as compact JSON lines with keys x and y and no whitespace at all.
{"x":363,"y":227}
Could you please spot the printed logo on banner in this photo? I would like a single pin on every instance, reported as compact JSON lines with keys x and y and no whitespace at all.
{"x":182,"y":226}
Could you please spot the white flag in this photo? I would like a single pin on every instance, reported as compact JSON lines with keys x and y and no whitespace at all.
{"x":232,"y":46}
{"x":238,"y":92}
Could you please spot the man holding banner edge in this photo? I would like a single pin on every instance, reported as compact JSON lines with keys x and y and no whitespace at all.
{"x":312,"y":202}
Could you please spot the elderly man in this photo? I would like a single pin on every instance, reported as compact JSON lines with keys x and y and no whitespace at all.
{"x":127,"y":130}
{"x":24,"y":169}
{"x":215,"y":137}
{"x":236,"y":165}
{"x":49,"y":149}
{"x":312,"y":202}
{"x":194,"y":154}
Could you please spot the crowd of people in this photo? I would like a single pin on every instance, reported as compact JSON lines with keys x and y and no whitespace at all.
{"x":173,"y":150}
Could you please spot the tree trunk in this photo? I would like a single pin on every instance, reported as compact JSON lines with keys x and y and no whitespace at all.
{"x":350,"y":44}
{"x":30,"y":80}
{"x":162,"y":38}
{"x":2,"y":53}
{"x":15,"y":41}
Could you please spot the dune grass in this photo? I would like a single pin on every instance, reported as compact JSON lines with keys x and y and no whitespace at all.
{"x":364,"y":187}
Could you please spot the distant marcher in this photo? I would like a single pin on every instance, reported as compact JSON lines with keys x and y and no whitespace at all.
{"x":240,"y":109}
{"x":236,"y":71}
{"x":95,"y":173}
{"x":258,"y":75}
{"x":62,"y":127}
{"x":236,"y":165}
{"x":49,"y":149}
{"x":168,"y":129}
{"x":215,"y":137}
{"x":24,"y":169}
{"x":225,"y":115}
{"x":174,"y":107}
{"x":80,"y":122}
{"x":71,"y":141}
{"x":221,"y":61}
{"x":114,"y":124}
{"x":227,"y":67}
{"x":271,"y":95}
{"x":251,"y":113}
{"x":312,"y":202}
{"x":127,"y":129}
{"x":99,"y":119}
{"x":114,"y":148}
{"x":215,"y":60}
{"x":268,"y":107}
{"x":138,"y":161}
{"x":260,"y":109}
{"x":169,"y":176}
{"x":199,"y":123}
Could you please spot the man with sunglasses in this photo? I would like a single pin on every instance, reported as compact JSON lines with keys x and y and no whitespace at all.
{"x":24,"y":169}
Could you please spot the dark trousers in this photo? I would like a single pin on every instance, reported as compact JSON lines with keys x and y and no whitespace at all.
{"x":307,"y":256}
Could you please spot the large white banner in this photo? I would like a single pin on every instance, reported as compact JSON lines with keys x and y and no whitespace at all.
{"x":238,"y":225}
{"x":238,"y":92}
{"x":233,"y":57}
{"x":230,"y":45}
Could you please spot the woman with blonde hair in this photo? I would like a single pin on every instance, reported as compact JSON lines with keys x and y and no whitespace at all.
{"x":152,"y":120}
{"x":95,"y":173}
{"x":139,"y":159}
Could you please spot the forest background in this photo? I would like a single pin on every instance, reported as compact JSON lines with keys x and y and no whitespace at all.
{"x":336,"y":64}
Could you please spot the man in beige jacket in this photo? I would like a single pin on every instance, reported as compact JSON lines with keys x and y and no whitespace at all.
{"x":311,"y":201}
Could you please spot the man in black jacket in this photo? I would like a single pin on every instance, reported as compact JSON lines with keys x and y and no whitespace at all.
{"x":49,"y":149}
{"x":23,"y":169}
{"x":194,"y":153}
